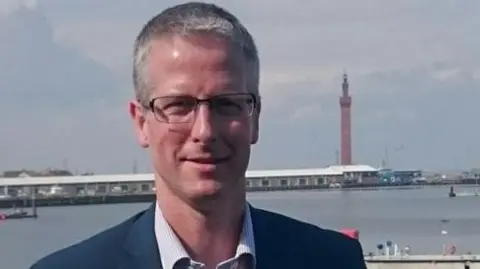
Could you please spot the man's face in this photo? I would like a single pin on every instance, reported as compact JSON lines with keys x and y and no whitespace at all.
{"x":203,"y":154}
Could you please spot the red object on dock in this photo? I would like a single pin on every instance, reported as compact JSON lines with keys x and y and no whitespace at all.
{"x":352,"y":233}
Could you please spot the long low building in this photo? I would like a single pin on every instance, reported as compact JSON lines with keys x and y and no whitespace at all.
{"x":144,"y":182}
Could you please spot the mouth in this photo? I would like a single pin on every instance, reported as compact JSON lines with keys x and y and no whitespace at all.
{"x":208,"y":160}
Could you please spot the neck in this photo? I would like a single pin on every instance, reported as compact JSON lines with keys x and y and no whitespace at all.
{"x":210,"y":232}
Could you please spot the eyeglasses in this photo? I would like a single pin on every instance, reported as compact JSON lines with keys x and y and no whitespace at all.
{"x":182,"y":109}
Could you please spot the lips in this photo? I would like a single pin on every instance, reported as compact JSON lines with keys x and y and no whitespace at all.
{"x":208,"y":160}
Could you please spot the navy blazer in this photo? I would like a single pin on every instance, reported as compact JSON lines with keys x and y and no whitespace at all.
{"x":280,"y":242}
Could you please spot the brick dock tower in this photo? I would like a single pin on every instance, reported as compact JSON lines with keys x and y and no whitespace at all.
{"x":345,"y":124}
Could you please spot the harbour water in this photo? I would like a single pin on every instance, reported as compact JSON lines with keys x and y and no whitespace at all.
{"x":412,"y":217}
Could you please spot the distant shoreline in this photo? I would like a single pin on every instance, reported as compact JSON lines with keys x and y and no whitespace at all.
{"x":149,"y":197}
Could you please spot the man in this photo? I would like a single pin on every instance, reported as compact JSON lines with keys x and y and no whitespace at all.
{"x":197,"y":107}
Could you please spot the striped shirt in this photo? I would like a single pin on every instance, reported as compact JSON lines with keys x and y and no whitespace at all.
{"x":174,"y":256}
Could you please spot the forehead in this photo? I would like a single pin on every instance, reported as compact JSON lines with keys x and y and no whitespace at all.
{"x":177,"y":62}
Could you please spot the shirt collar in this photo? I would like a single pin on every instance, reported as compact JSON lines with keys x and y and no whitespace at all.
{"x":172,"y":250}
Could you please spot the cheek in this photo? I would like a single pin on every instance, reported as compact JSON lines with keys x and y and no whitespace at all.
{"x":165,"y":143}
{"x":241,"y":131}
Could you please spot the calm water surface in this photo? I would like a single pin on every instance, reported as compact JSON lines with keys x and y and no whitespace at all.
{"x":411,"y":217}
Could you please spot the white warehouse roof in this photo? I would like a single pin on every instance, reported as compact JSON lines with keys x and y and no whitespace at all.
{"x":334,"y":170}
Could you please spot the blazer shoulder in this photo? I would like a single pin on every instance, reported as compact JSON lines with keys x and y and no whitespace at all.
{"x":97,"y":251}
{"x":313,"y":241}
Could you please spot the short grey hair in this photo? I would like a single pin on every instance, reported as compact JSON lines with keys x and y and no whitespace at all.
{"x":184,"y":19}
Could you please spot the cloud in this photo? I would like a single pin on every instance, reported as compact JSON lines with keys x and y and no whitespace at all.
{"x":52,"y":99}
{"x":8,"y":6}
{"x":413,"y":67}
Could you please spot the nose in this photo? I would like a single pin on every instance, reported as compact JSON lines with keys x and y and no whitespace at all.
{"x":204,"y":129}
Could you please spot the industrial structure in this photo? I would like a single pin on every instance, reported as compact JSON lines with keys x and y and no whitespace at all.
{"x":345,"y":124}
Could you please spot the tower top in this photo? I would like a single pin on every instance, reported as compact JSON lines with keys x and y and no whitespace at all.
{"x":345,"y":84}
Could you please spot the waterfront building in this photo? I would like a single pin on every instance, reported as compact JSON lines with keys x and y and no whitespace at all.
{"x":89,"y":185}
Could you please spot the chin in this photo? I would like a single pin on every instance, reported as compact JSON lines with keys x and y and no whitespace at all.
{"x":206,"y":188}
{"x":207,"y":183}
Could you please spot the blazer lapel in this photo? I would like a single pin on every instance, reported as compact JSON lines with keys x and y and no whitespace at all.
{"x":265,"y":244}
{"x":141,"y":248}
{"x":271,"y":247}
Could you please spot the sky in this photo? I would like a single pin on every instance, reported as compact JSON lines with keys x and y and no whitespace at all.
{"x":413,"y":67}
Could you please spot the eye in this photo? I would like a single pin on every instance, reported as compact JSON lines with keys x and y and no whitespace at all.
{"x":175,"y":105}
{"x":234,"y":105}
{"x":180,"y":103}
{"x":227,"y":102}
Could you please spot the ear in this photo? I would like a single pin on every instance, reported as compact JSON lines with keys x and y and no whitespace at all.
{"x":137,"y":113}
